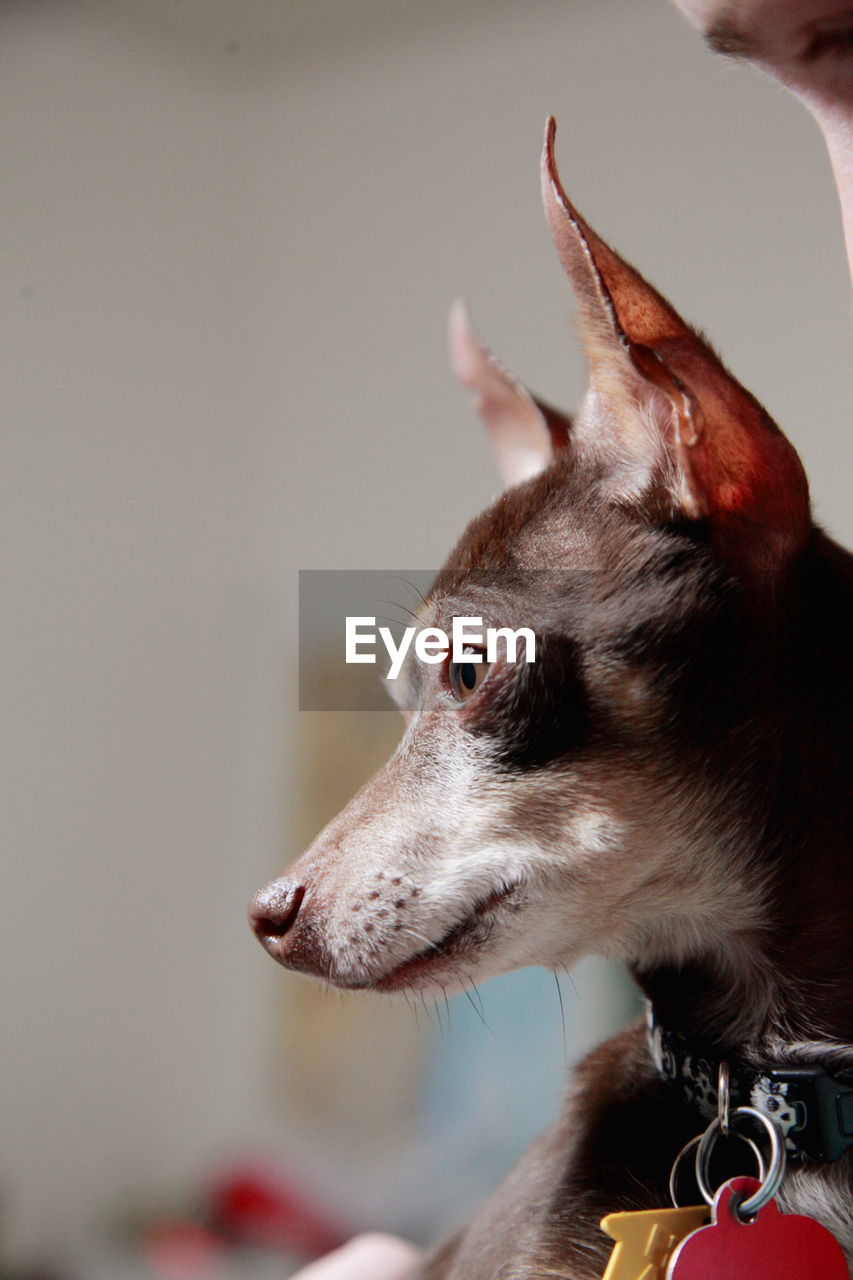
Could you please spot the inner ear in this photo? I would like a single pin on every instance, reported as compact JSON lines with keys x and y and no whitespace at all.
{"x":673,"y":422}
{"x":525,"y":431}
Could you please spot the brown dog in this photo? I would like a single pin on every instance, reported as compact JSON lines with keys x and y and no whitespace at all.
{"x":668,"y":782}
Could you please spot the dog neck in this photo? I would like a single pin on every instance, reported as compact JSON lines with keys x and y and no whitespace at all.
{"x":788,"y":981}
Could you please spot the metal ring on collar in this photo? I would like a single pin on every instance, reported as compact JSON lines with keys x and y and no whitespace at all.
{"x":691,"y":1146}
{"x":770,"y":1182}
{"x":724,"y":1099}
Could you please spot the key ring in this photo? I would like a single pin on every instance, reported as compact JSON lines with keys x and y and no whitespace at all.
{"x":770,"y":1182}
{"x":691,"y":1146}
{"x":723,"y":1100}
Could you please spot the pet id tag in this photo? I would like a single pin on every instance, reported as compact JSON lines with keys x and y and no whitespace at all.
{"x":645,"y":1240}
{"x":771,"y":1246}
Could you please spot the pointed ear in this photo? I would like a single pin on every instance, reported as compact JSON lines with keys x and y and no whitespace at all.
{"x":668,"y":402}
{"x":525,"y":432}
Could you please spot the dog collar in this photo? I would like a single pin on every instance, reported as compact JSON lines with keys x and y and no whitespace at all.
{"x":813,"y":1109}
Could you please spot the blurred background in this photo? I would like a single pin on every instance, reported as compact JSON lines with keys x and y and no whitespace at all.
{"x":230,"y":231}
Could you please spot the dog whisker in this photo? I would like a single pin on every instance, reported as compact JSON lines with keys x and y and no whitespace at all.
{"x":419,"y":937}
{"x":478,"y":1010}
{"x":411,"y":585}
{"x":562,"y":1016}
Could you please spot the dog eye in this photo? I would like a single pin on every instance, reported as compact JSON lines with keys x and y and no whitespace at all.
{"x":466,"y":677}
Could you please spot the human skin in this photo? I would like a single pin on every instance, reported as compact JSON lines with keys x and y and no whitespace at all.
{"x":368,"y":1257}
{"x":808,"y":46}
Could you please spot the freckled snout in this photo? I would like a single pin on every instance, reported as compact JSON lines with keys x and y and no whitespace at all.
{"x":273,"y":912}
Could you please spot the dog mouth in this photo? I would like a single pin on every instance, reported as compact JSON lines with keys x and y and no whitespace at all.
{"x":463,"y":938}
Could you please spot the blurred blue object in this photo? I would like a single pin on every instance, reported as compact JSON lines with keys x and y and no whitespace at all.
{"x":498,"y":1066}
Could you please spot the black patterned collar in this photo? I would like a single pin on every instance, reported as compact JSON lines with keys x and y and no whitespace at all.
{"x":813,"y":1109}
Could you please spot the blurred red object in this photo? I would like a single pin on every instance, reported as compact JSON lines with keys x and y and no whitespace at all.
{"x":180,"y":1250}
{"x":267,"y":1208}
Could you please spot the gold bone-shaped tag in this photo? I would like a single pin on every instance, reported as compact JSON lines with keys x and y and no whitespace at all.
{"x":645,"y":1240}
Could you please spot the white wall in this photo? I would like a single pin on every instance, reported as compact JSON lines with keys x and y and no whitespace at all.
{"x":229,"y":235}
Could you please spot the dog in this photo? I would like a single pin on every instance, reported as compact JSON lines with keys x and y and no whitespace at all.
{"x":668,"y":782}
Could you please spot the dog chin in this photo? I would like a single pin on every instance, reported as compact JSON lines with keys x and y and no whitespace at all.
{"x":477,"y":958}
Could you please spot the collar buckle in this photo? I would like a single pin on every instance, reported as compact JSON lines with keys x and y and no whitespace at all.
{"x":824,"y":1105}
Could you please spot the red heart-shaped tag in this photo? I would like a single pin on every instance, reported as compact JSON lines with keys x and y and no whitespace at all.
{"x":775,"y":1246}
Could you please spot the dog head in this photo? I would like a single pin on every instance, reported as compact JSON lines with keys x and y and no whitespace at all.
{"x":597,"y":798}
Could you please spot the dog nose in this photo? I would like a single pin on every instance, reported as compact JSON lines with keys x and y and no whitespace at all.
{"x":273,"y":910}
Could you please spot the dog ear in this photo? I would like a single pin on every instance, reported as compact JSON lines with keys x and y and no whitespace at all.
{"x":684,"y":438}
{"x":525,"y":432}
